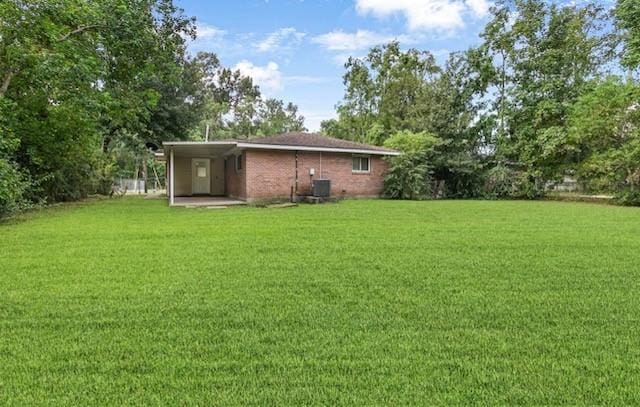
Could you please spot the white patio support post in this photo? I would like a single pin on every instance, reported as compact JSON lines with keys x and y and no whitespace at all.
{"x":172,"y":178}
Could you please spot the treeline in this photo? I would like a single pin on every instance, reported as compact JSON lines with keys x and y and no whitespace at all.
{"x":85,"y":85}
{"x":550,"y":93}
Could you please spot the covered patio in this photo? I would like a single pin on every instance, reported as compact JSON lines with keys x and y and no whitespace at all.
{"x":197,"y":173}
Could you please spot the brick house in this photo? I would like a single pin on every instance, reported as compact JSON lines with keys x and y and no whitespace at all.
{"x":282,"y":167}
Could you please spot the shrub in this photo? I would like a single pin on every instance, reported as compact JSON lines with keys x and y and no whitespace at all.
{"x":14,"y":188}
{"x":628,"y":197}
{"x":504,"y":182}
{"x":409,"y":175}
{"x":104,"y":175}
{"x":462,"y":176}
{"x":408,"y":178}
{"x":501,"y":182}
{"x":15,"y":185}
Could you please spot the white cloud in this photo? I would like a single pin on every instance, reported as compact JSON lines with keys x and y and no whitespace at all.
{"x":479,"y":7}
{"x":312,"y":119}
{"x":425,"y":14}
{"x":282,"y":39}
{"x":208,"y":32}
{"x":268,"y":77}
{"x":209,"y":37}
{"x":361,"y":39}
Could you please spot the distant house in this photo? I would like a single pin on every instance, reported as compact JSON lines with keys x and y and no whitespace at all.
{"x":285,"y":166}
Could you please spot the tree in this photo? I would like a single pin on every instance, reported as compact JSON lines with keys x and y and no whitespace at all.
{"x":78,"y":75}
{"x":455,"y":116}
{"x":388,"y":87}
{"x":50,"y":70}
{"x":233,"y":106}
{"x":605,"y":135}
{"x":275,"y":117}
{"x":544,"y":56}
{"x":627,"y":14}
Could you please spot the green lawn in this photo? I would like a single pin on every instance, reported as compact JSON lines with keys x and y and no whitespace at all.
{"x":363,"y":302}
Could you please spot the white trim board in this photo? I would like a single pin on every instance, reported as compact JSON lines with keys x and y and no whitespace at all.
{"x":243,"y":145}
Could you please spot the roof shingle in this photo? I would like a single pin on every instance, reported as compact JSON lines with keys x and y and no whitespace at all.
{"x":314,"y":140}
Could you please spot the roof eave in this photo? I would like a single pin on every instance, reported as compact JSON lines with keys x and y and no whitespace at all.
{"x":198,"y":143}
{"x":319,"y":149}
{"x":288,"y":147}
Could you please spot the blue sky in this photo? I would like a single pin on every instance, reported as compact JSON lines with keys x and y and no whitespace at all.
{"x":295,"y":49}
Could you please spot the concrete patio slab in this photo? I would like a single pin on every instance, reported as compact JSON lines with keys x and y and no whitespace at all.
{"x":206,"y":201}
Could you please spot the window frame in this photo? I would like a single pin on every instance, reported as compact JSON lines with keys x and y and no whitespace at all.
{"x":360,"y":157}
{"x":238,"y":163}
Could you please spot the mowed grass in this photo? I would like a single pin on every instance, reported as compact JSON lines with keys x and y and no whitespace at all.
{"x":363,"y":302}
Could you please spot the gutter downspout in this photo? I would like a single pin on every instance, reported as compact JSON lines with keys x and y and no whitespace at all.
{"x":296,"y":182}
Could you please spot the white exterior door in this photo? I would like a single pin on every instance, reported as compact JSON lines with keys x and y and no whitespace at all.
{"x":200,"y":176}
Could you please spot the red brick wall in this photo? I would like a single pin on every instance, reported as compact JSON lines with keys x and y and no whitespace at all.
{"x":271,"y":174}
{"x":345,"y":183}
{"x":235,"y":181}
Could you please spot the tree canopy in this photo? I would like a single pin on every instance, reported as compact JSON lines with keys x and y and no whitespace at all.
{"x":536,"y":101}
{"x":85,"y":85}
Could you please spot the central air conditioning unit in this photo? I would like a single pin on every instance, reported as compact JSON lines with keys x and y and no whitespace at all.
{"x":321,"y":188}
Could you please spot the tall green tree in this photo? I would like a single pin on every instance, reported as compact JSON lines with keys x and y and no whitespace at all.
{"x":50,"y":70}
{"x":456,"y":108}
{"x":277,"y":117}
{"x":387,"y":88}
{"x":604,"y":132}
{"x":233,"y":106}
{"x":627,"y":14}
{"x":544,"y":57}
{"x":77,"y":75}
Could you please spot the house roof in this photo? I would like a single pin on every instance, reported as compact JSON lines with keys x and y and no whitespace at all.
{"x":290,"y":141}
{"x":314,"y":140}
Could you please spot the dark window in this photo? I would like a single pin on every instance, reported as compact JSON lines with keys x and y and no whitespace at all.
{"x":360,"y":164}
{"x":239,"y":163}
